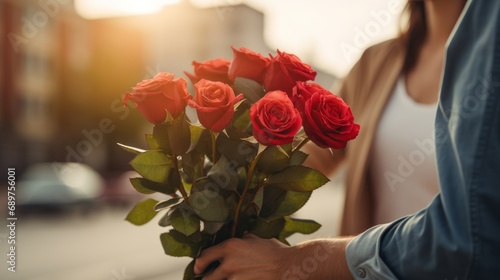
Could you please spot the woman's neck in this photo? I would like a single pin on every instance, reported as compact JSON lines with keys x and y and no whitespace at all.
{"x":441,"y":16}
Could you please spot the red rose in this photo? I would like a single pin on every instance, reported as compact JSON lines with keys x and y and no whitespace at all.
{"x":214,"y":103}
{"x":248,"y":64}
{"x":284,"y":71}
{"x":212,"y":70}
{"x":154,"y":97}
{"x":328,"y":121}
{"x":302,"y":91}
{"x":275,"y":120}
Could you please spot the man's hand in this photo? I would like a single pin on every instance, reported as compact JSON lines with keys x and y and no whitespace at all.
{"x":255,"y":258}
{"x":247,"y":258}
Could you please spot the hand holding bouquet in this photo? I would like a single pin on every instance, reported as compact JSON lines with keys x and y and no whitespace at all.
{"x":239,"y":169}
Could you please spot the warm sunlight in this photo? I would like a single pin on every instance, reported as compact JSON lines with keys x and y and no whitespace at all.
{"x":94,"y":9}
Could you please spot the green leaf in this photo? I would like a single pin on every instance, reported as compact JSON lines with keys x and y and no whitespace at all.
{"x":195,"y":131}
{"x":238,"y":104}
{"x":212,"y":227}
{"x":174,"y":179}
{"x":192,"y":165}
{"x":283,"y":240}
{"x":160,"y":134}
{"x":153,"y":165}
{"x":268,"y":229}
{"x":298,"y":178}
{"x":178,"y":245}
{"x":146,"y":186}
{"x":204,"y":145}
{"x":279,"y":203}
{"x":272,"y":197}
{"x":299,"y":136}
{"x":259,"y":198}
{"x":209,"y":206}
{"x":142,"y":212}
{"x":298,"y":226}
{"x":165,"y":220}
{"x":241,"y":125}
{"x":179,"y":135}
{"x":138,"y":186}
{"x":189,"y":271}
{"x":242,"y":121}
{"x":225,"y":174}
{"x":152,"y":143}
{"x":239,"y":151}
{"x":203,"y":183}
{"x":131,"y":149}
{"x":252,"y":90}
{"x":298,"y":158}
{"x":291,"y":203}
{"x":274,"y":158}
{"x":184,"y":220}
{"x":167,"y":203}
{"x":187,"y":186}
{"x":232,"y":200}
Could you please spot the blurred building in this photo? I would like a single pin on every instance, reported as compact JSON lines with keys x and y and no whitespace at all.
{"x":184,"y":33}
{"x":29,"y":85}
{"x":62,"y":77}
{"x":52,"y":101}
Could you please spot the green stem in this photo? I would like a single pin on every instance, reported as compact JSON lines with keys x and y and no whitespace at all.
{"x":181,"y":187}
{"x":243,"y":195}
{"x":202,"y":166}
{"x":257,"y":189}
{"x":301,"y":144}
{"x":214,"y":147}
{"x":183,"y":192}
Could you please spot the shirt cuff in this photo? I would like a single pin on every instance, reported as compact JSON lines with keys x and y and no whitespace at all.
{"x":363,"y":258}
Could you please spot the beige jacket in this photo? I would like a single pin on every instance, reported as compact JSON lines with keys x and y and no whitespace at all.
{"x":366,"y":89}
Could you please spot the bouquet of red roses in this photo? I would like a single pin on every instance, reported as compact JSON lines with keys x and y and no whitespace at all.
{"x":239,"y":169}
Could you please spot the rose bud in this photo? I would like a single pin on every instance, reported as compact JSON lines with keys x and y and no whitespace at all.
{"x":154,"y":97}
{"x":284,"y":71}
{"x":248,"y":64}
{"x":302,"y":91}
{"x":328,"y":121}
{"x":214,"y":102}
{"x":275,"y":120}
{"x":212,"y":70}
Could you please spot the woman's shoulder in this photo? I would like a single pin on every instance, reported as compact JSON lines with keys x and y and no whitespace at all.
{"x":375,"y":64}
{"x":377,"y":59}
{"x":383,"y":50}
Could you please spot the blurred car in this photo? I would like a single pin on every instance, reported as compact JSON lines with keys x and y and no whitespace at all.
{"x":54,"y":186}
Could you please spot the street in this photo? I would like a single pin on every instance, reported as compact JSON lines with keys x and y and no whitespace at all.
{"x":102,"y":246}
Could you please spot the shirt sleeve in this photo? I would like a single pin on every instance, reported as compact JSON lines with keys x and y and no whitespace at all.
{"x":457,"y":235}
{"x":362,"y":255}
{"x":431,"y":244}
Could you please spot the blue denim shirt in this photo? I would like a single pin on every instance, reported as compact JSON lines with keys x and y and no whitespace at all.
{"x":458,"y":235}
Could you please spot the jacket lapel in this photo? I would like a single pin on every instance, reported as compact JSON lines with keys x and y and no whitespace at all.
{"x":384,"y":73}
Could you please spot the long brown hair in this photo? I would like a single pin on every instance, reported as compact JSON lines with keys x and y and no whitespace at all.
{"x":414,"y":33}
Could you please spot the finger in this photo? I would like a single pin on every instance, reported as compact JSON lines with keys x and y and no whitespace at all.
{"x":206,"y":257}
{"x":250,"y":236}
{"x":218,"y":274}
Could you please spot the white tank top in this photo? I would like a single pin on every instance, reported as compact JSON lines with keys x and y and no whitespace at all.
{"x":403,"y":169}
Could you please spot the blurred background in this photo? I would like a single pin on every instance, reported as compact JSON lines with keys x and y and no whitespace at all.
{"x":64,"y":68}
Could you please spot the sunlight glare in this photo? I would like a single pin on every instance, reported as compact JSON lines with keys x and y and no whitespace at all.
{"x":95,"y":9}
